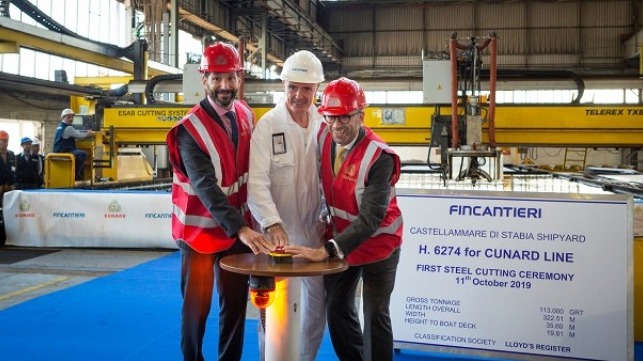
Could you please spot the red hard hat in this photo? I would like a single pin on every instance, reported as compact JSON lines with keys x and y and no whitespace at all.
{"x":341,"y":97}
{"x":220,"y":58}
{"x":4,"y":135}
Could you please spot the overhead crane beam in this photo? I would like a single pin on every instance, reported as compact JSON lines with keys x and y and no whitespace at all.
{"x":66,"y":46}
{"x":525,"y":125}
{"x":30,"y":85}
{"x":589,"y":126}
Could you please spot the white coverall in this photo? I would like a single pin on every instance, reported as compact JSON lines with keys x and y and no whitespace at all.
{"x":284,"y":188}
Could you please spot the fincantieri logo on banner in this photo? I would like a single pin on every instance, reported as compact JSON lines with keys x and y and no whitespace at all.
{"x":24,"y":207}
{"x":114,"y":210}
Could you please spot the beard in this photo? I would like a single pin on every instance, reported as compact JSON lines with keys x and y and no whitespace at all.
{"x":222,"y":97}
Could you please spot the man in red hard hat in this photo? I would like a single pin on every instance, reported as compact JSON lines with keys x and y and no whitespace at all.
{"x":358,"y":175}
{"x":7,"y":165}
{"x":209,"y":151}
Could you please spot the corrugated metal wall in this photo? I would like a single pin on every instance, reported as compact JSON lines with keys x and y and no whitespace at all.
{"x":576,"y":35}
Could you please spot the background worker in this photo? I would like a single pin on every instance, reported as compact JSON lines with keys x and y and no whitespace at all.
{"x":65,"y":141}
{"x":35,"y":154}
{"x":209,"y":152}
{"x":366,"y":224}
{"x":7,"y":165}
{"x":283,"y":192}
{"x":27,"y":176}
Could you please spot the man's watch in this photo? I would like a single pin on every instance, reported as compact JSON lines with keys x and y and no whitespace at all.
{"x":330,"y":249}
{"x":272,"y":227}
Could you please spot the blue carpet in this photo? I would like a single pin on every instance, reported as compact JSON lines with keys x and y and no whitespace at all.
{"x":131,"y":315}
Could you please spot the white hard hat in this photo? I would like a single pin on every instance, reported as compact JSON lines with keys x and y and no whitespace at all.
{"x":66,"y":112}
{"x":35,"y":141}
{"x":303,"y":67}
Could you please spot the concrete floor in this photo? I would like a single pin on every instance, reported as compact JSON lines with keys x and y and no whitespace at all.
{"x":30,"y":273}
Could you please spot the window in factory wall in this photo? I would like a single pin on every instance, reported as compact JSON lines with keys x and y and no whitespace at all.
{"x":41,"y":72}
{"x":9,"y":63}
{"x":531,"y":96}
{"x":612,"y":96}
{"x":394,"y":97}
{"x":18,"y":129}
{"x":87,"y":19}
{"x":603,"y":96}
{"x":376,"y":97}
{"x":632,"y":96}
{"x":562,"y":96}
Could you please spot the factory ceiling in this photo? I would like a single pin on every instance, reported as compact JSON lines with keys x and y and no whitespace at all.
{"x":284,"y":20}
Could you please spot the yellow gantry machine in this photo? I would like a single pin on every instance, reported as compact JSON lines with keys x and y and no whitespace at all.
{"x":515,"y":125}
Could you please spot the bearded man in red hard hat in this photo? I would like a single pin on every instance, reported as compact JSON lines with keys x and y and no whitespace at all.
{"x":358,"y":176}
{"x":209,"y":151}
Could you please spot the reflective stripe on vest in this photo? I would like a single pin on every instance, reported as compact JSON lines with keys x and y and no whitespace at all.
{"x":234,"y":188}
{"x":209,"y":144}
{"x":200,"y":221}
{"x":196,"y":221}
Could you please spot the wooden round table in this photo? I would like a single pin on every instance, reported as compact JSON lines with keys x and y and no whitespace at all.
{"x":249,"y":264}
{"x":283,"y":316}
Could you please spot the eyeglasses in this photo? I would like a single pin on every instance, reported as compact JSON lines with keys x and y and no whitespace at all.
{"x":343,"y":119}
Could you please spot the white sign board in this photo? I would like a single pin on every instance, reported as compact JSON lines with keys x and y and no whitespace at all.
{"x":110,"y":219}
{"x":525,"y":273}
{"x":193,"y":90}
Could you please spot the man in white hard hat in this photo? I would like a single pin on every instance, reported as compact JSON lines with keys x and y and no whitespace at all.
{"x":284,"y":193}
{"x":65,"y":141}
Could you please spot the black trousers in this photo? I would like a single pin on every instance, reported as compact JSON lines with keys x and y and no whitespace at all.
{"x":378,"y":280}
{"x":24,"y":185}
{"x":198,"y":274}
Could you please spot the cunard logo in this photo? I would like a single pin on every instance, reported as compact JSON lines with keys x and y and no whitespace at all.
{"x":114,"y":210}
{"x":350,"y":172}
{"x":638,"y":211}
{"x":221,"y":60}
{"x":24,"y":207}
{"x":114,"y":206}
{"x":333,"y":102}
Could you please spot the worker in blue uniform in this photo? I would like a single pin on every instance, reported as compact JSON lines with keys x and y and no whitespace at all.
{"x":65,"y":141}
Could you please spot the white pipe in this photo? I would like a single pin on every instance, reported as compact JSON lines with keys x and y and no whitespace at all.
{"x":283,"y":321}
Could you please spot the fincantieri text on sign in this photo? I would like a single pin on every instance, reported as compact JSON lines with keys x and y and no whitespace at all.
{"x":501,"y":212}
{"x":69,"y":215}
